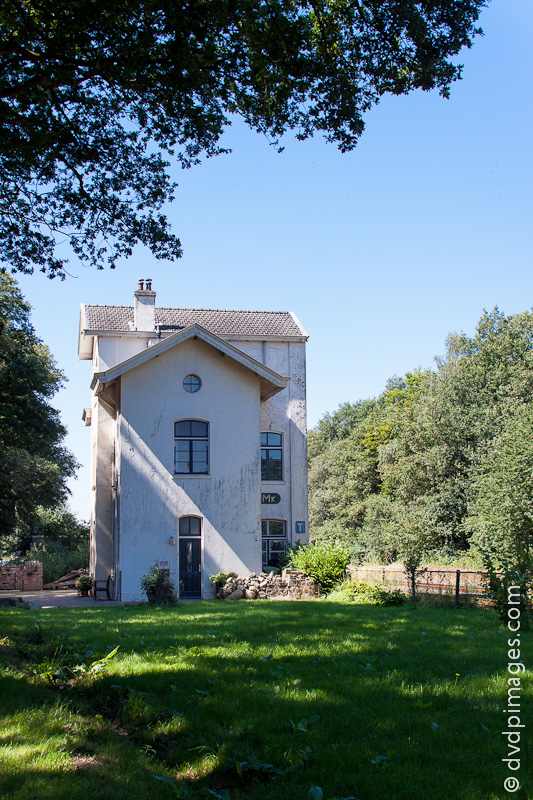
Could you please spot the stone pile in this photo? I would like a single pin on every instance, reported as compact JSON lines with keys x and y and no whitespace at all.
{"x":26,"y":577}
{"x":291,"y":584}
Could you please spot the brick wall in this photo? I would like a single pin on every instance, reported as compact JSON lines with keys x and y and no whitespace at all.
{"x":27,"y":577}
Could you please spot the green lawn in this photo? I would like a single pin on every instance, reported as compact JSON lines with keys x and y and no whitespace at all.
{"x":258,"y":701}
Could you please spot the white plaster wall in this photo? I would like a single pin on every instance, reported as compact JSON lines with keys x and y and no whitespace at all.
{"x":113,"y":350}
{"x":286,"y":413}
{"x":103,"y":428}
{"x":152,"y":499}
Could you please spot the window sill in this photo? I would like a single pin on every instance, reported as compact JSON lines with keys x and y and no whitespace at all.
{"x":273,"y":483}
{"x":187,"y":477}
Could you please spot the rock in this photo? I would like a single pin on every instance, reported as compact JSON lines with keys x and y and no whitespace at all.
{"x":291,"y":584}
{"x":238,"y":594}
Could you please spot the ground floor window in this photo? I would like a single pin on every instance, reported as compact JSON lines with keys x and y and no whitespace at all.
{"x":274,"y":533}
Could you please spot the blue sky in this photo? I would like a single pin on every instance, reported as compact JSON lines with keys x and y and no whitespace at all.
{"x":380,"y":252}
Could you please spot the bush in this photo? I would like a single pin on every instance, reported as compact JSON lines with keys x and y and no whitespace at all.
{"x":221,"y":578}
{"x":509,"y":588}
{"x":157,"y":582}
{"x":368,"y":593}
{"x":58,"y":560}
{"x":324,"y":560}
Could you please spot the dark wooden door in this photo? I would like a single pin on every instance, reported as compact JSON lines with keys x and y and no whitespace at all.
{"x":190,"y":567}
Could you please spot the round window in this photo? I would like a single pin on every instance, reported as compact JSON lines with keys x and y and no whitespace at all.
{"x":191,"y":383}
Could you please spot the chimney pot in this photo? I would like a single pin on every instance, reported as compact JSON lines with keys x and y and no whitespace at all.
{"x":148,"y":284}
{"x":141,"y":285}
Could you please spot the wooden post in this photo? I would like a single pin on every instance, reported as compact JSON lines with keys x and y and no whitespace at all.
{"x":457,"y":582}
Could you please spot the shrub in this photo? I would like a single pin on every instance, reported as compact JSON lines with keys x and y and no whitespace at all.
{"x":509,"y":588}
{"x":368,"y":593}
{"x":324,"y":560}
{"x":164,"y":588}
{"x":221,"y":578}
{"x":157,"y":582}
{"x":58,"y":560}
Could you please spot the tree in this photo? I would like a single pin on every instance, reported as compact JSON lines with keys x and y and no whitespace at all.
{"x":95,"y":98}
{"x":343,"y":471}
{"x":501,"y":514}
{"x":479,"y":384}
{"x":415,"y":458}
{"x":501,"y":510}
{"x":34,"y":464}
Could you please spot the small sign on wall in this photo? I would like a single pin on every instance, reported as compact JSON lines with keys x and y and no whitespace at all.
{"x":270,"y":498}
{"x":299,"y":527}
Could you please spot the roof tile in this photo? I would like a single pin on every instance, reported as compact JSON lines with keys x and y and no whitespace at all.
{"x":219,"y":322}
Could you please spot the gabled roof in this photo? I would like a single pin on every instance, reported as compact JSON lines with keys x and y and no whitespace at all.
{"x":271,"y":382}
{"x":222,"y":323}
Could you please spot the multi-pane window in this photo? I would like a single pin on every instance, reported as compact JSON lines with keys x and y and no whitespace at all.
{"x":192,"y":383}
{"x":190,"y":526}
{"x":271,"y":457}
{"x":191,"y":447}
{"x":274,"y":532}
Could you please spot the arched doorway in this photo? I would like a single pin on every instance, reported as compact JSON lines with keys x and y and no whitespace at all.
{"x":190,"y":555}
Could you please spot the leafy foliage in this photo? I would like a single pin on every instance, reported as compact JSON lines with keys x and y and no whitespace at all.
{"x":447,"y":454}
{"x":221,"y":578}
{"x":34,"y":464}
{"x":323,"y":560}
{"x":96,"y":99}
{"x":359,"y":591}
{"x":57,"y":559}
{"x":157,"y":582}
{"x":501,"y":512}
{"x":84,"y":582}
{"x":510,"y":589}
{"x":502,"y":506}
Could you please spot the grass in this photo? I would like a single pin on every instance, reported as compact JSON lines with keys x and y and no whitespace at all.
{"x":257,"y":701}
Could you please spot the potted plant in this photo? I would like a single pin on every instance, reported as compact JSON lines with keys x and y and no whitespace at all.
{"x":84,"y":584}
{"x":148,"y":581}
{"x":157,"y":586}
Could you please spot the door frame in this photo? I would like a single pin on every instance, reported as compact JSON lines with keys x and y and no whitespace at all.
{"x":194,"y":538}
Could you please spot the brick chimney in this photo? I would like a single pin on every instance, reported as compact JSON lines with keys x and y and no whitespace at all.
{"x":144,"y":307}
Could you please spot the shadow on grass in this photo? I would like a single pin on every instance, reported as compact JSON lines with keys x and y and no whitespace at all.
{"x":265,"y":700}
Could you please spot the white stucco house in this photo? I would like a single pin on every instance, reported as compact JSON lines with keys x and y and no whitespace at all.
{"x":198,"y":440}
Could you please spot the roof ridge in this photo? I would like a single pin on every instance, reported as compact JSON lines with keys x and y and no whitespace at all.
{"x":104,"y":305}
{"x":190,"y":308}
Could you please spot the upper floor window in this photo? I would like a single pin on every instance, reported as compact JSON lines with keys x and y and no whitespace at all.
{"x":191,"y":447}
{"x":271,"y":457}
{"x":192,"y":383}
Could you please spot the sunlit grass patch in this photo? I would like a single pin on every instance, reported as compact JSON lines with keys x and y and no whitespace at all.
{"x":258,"y":700}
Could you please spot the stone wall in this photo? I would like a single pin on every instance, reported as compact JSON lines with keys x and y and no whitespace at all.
{"x":291,"y":584}
{"x":27,"y":577}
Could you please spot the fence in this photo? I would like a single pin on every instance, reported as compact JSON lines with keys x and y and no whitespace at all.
{"x":465,"y":584}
